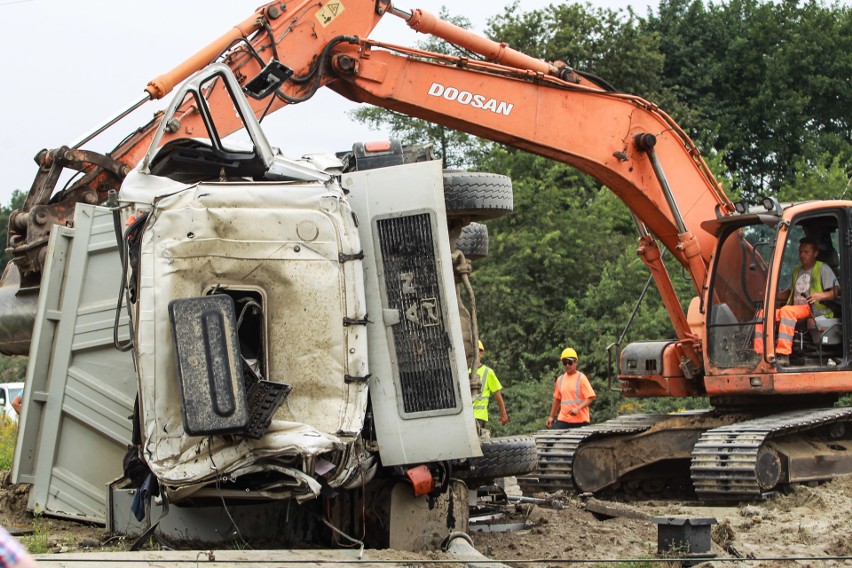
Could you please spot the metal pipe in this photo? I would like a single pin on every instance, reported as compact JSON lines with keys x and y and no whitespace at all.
{"x":110,"y":122}
{"x":427,"y":23}
{"x":460,"y":545}
{"x":400,"y":13}
{"x":646,"y":143}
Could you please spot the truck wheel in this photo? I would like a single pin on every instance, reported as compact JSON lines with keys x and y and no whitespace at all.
{"x":477,"y":195}
{"x":501,"y":457}
{"x":473,"y":241}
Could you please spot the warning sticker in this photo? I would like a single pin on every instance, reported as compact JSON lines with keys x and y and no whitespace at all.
{"x":329,"y":12}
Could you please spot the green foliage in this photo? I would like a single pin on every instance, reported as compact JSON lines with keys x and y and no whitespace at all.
{"x":527,"y":404}
{"x":829,"y":178}
{"x":38,"y":542}
{"x":562,"y":271}
{"x":539,"y":262}
{"x":598,"y":41}
{"x":18,"y":198}
{"x":12,"y":369}
{"x":8,"y":439}
{"x":771,"y":79}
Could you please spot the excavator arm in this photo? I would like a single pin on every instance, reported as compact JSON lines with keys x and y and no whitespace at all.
{"x":625,"y":142}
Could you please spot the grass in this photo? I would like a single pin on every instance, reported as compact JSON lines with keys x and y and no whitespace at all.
{"x":38,"y":542}
{"x":8,"y":438}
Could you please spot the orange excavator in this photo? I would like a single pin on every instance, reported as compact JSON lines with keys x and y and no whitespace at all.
{"x":772,"y":423}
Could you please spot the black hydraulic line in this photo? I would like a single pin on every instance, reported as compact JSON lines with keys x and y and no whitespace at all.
{"x":617,"y":344}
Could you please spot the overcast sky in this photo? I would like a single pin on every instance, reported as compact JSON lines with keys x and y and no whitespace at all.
{"x":69,"y":66}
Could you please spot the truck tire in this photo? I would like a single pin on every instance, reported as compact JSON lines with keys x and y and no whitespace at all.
{"x":473,"y":241}
{"x":477,"y":195}
{"x":501,"y":457}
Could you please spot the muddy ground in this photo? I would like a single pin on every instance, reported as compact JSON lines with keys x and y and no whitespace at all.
{"x":810,"y":522}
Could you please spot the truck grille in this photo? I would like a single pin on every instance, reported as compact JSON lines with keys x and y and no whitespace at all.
{"x":423,"y":348}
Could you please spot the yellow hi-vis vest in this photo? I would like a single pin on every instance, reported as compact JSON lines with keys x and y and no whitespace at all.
{"x":490,"y":384}
{"x":816,"y":286}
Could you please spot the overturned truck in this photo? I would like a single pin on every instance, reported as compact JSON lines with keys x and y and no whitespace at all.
{"x":239,"y":338}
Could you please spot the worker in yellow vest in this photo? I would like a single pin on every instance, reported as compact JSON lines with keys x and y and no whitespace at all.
{"x":490,"y":385}
{"x":813,"y":282}
{"x":572,"y":395}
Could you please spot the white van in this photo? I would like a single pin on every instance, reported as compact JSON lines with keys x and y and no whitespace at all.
{"x":8,"y":392}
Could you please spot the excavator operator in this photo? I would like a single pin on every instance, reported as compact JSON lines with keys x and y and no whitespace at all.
{"x":812,"y":283}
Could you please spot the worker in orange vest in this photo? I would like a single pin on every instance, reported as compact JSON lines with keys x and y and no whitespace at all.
{"x":572,"y":395}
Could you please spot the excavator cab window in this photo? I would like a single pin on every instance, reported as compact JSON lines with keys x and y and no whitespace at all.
{"x":738,"y":285}
{"x":818,"y":338}
{"x":741,"y":269}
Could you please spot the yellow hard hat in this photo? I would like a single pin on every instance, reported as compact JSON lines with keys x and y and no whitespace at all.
{"x":481,"y":346}
{"x":568,"y":352}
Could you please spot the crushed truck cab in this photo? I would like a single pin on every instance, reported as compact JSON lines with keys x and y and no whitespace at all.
{"x":289,"y":257}
{"x":295,"y":326}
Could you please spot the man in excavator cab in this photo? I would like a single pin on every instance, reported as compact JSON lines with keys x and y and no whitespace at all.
{"x":813,"y":290}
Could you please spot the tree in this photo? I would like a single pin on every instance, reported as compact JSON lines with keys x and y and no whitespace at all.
{"x":607,"y":43}
{"x":829,"y":178}
{"x":17,"y":201}
{"x":456,"y":149}
{"x":771,"y":78}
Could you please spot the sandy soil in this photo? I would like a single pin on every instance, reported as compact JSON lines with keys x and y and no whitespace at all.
{"x":809,"y":522}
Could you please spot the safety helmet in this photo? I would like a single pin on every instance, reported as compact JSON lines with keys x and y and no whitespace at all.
{"x":481,"y":346}
{"x":568,"y":352}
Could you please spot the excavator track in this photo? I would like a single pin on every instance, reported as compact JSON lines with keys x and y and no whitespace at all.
{"x":727,"y":456}
{"x":556,"y":450}
{"x":747,"y":459}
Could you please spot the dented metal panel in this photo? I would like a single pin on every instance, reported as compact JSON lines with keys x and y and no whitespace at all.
{"x":79,"y":389}
{"x":281,"y":243}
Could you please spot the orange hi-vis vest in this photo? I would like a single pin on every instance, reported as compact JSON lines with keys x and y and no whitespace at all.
{"x":571,"y":391}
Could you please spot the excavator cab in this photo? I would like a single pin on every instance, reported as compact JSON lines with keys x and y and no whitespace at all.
{"x":818,"y":338}
{"x":751,"y":280}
